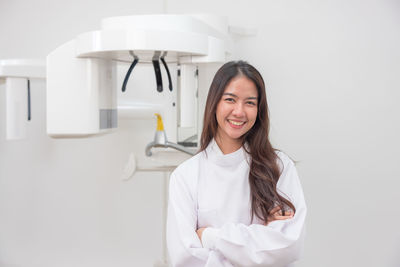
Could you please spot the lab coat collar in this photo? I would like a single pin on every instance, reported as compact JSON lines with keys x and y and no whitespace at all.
{"x":215,"y":154}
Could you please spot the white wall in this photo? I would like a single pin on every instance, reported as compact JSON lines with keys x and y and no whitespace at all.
{"x":332,"y":72}
{"x":62,"y":202}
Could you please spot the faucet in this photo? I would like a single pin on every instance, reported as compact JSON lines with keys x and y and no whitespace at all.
{"x":160,"y":140}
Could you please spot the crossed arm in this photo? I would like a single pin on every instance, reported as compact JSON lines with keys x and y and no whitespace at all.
{"x":276,"y":243}
{"x":275,"y":215}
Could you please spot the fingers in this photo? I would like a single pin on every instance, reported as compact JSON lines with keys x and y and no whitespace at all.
{"x":288,"y":213}
{"x":278,"y":218}
{"x":277,"y":211}
{"x":276,"y":214}
{"x":274,"y":210}
{"x":200,"y":232}
{"x":283,"y":217}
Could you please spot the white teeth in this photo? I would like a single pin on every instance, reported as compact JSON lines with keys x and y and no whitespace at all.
{"x":236,"y":122}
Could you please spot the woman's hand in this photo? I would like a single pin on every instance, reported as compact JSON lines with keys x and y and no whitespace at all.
{"x":276,"y":214}
{"x":200,"y":232}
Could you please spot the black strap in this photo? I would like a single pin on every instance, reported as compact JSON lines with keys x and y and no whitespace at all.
{"x":169,"y":75}
{"x":157,"y":71}
{"x":129,"y":73}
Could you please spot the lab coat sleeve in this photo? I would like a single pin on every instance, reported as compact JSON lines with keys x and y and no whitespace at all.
{"x":184,"y":246}
{"x":277,"y":244}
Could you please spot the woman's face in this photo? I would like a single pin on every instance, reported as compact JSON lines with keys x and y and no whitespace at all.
{"x":237,"y":109}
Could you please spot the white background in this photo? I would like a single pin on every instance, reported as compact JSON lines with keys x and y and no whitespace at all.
{"x":332,"y":70}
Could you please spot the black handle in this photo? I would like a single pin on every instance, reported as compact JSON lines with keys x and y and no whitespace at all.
{"x":157,"y":71}
{"x":169,"y":75}
{"x":129,"y":74}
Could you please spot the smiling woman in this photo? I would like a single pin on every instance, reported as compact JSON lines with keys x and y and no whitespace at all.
{"x":239,"y":201}
{"x":236,"y":113}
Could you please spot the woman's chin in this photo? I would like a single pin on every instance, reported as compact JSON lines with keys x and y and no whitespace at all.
{"x":236,"y":136}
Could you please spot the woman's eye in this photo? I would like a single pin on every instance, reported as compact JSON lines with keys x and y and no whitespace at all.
{"x":251,"y":103}
{"x":229,"y":99}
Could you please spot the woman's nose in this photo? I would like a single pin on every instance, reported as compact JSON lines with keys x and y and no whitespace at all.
{"x":238,"y":110}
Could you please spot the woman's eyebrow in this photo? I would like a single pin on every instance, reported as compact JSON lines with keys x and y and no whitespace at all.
{"x":230,"y":94}
{"x":251,"y":97}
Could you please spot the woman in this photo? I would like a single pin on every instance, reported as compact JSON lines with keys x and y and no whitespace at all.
{"x":238,"y":202}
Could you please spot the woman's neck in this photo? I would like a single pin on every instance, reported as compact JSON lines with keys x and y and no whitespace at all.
{"x":228,"y":145}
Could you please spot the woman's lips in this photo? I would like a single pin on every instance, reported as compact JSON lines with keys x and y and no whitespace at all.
{"x":236,"y":124}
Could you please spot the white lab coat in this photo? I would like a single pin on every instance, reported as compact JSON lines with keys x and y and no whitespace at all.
{"x":212,"y":190}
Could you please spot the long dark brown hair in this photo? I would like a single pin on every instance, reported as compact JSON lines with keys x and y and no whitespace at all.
{"x":264,"y":168}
